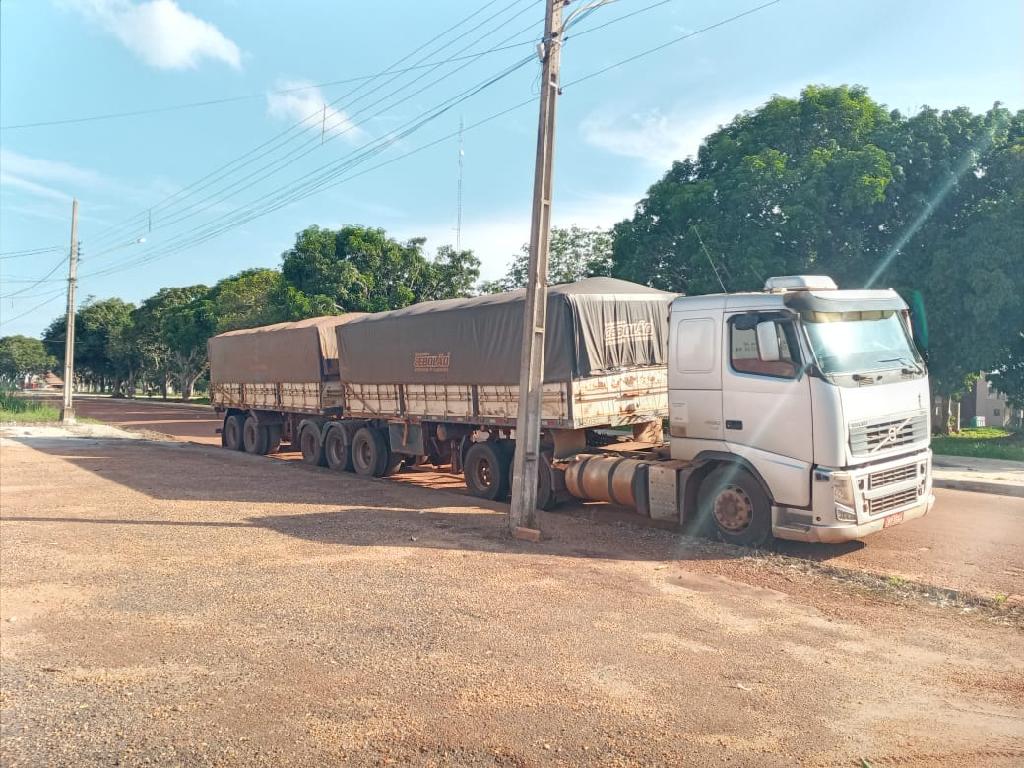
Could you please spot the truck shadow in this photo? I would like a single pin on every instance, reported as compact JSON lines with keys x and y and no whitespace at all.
{"x":413,"y":509}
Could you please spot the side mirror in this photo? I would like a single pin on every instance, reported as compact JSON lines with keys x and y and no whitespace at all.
{"x":768,"y":342}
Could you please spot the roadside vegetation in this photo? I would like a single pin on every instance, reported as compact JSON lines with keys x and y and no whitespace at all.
{"x":982,"y":443}
{"x":25,"y":410}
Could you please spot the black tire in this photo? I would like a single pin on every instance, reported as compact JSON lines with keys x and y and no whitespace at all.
{"x":547,"y":499}
{"x":231,"y":434}
{"x":370,"y":453}
{"x":734,"y":507}
{"x":337,"y":451}
{"x":255,"y":437}
{"x":312,"y":446}
{"x":487,"y":470}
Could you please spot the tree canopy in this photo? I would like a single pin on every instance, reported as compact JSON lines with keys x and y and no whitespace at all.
{"x":833,"y":183}
{"x":162,"y":342}
{"x":573,"y":254}
{"x":23,"y":356}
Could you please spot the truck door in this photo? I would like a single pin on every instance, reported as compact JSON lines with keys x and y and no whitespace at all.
{"x":695,"y":380}
{"x":766,"y":402}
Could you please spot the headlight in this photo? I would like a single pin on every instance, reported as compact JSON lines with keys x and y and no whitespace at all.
{"x":842,"y":489}
{"x":845,"y":514}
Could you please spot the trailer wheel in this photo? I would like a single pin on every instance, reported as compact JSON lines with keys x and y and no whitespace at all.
{"x":231,"y":434}
{"x":487,"y":470}
{"x":255,"y":437}
{"x":370,"y":453}
{"x":735,"y":506}
{"x":547,"y":499}
{"x":337,"y":450}
{"x":311,"y":446}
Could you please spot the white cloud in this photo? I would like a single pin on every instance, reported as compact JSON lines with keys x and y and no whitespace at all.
{"x":161,"y":33}
{"x":8,"y":180}
{"x":298,"y":100}
{"x":17,"y":164}
{"x":655,"y":137}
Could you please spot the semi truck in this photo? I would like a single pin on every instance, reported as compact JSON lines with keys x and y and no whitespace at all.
{"x":799,"y":412}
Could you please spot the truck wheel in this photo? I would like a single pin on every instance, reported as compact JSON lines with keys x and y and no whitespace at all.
{"x":312,"y":447}
{"x":733,"y":504}
{"x":487,"y":470}
{"x":231,"y":434}
{"x":254,"y":436}
{"x":370,"y":453}
{"x":547,"y":499}
{"x":337,"y":451}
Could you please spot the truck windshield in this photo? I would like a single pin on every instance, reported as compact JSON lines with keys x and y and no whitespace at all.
{"x":851,"y":342}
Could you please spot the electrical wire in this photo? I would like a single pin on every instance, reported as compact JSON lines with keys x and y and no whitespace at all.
{"x":332,"y":179}
{"x":671,"y":42}
{"x":248,"y":181}
{"x":242,"y":97}
{"x":281,"y":138}
{"x":40,"y":281}
{"x":38,"y":306}
{"x":30,"y":252}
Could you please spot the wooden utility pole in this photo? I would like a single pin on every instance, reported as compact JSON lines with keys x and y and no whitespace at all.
{"x":523,"y":512}
{"x":67,"y":413}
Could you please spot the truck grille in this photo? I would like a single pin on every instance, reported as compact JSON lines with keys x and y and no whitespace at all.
{"x":868,"y":437}
{"x":892,"y":501}
{"x":891,"y":476}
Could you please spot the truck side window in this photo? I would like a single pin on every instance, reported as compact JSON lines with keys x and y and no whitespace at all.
{"x":746,"y":358}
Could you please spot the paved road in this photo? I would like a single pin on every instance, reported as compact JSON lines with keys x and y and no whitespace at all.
{"x":970,"y":541}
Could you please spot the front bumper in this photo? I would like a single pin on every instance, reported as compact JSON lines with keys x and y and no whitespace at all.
{"x":893,"y":491}
{"x":837,"y":533}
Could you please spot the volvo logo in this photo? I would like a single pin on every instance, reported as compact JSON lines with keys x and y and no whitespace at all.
{"x":894,"y":432}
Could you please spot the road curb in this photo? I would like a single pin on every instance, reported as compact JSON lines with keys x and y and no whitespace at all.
{"x":980,"y":486}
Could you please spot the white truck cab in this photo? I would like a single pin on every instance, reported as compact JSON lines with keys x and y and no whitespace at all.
{"x":815,"y":394}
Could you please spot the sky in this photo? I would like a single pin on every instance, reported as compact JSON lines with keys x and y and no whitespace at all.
{"x":205,"y":188}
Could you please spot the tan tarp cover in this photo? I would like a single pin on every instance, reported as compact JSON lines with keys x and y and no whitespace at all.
{"x":594,"y":326}
{"x":299,"y":352}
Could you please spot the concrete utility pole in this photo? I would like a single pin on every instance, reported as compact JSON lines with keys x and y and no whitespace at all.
{"x":67,"y":413}
{"x":523,"y":512}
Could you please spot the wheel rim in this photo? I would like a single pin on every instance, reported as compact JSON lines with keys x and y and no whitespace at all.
{"x":733,"y":509}
{"x":308,"y":444}
{"x":483,"y":473}
{"x":335,"y":451}
{"x":363,"y":453}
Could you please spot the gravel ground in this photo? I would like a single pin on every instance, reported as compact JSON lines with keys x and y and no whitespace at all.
{"x":176,"y":605}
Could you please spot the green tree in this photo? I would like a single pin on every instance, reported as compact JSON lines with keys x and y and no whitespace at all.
{"x":573,"y":254}
{"x":833,"y":183}
{"x":96,"y":323}
{"x":361,"y":269}
{"x":249,"y":299}
{"x":21,"y":357}
{"x":150,"y":335}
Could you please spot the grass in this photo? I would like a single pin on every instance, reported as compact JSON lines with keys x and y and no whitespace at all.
{"x":26,"y":410}
{"x":982,"y":443}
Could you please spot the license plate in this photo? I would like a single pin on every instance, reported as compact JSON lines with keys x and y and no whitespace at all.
{"x":892,"y":520}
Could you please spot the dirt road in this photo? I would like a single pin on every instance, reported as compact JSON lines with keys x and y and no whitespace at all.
{"x":180,"y":605}
{"x":970,"y":541}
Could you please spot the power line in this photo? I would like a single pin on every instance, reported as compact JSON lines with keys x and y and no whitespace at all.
{"x":241,"y":97}
{"x":299,"y":189}
{"x":38,"y":306}
{"x":671,"y":42}
{"x":330,"y":178}
{"x":280,"y":138}
{"x":30,"y":252}
{"x":240,"y":185}
{"x":40,"y":281}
